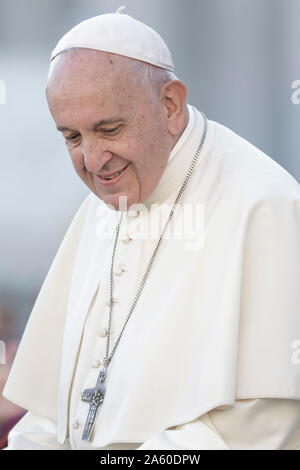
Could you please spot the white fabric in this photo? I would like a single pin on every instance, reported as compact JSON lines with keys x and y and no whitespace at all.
{"x":120,"y":34}
{"x":255,"y":424}
{"x":201,"y":337}
{"x":185,"y":135}
{"x":34,"y":433}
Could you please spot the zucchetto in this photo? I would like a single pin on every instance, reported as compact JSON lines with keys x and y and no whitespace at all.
{"x":119,"y":34}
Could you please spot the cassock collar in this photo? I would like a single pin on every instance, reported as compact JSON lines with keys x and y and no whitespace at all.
{"x":180,"y":159}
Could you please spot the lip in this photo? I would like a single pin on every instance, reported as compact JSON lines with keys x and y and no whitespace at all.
{"x":115,"y":180}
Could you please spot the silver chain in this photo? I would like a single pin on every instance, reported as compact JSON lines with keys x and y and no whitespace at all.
{"x":108,"y":358}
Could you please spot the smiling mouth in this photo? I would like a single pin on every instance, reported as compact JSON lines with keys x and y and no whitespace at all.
{"x":114,"y":175}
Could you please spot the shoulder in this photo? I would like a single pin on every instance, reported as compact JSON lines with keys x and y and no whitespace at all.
{"x":90,"y":208}
{"x":239,"y":169}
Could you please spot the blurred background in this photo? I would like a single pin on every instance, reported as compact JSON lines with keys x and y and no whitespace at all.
{"x":239,"y":59}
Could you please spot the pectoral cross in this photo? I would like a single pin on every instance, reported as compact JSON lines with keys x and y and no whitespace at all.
{"x":95,"y":397}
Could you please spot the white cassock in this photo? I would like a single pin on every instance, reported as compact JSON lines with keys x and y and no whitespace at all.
{"x":208,"y":359}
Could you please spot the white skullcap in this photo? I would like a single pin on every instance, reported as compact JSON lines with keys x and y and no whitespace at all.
{"x":119,"y":34}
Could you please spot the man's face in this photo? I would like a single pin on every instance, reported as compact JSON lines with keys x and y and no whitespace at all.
{"x":110,"y":125}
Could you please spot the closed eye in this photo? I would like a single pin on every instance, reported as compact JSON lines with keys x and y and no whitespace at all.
{"x":110,"y":131}
{"x":72,"y":137}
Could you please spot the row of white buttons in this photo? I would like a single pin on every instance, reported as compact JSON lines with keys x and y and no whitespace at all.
{"x":103,"y":332}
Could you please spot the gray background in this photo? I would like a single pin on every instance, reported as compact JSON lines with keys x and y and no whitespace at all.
{"x":237,"y":57}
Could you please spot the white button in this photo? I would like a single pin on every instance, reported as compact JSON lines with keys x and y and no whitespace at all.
{"x":103,"y":332}
{"x":133,"y":213}
{"x":96,"y":363}
{"x":115,"y":301}
{"x":119,"y":271}
{"x":127,"y":240}
{"x":76,"y":424}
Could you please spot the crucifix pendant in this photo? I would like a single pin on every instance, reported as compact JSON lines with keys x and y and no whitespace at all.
{"x":94,"y":396}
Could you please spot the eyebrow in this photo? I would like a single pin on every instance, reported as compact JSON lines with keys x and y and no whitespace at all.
{"x":103,"y":122}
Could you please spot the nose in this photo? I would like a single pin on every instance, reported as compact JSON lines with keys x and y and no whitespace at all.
{"x":95,"y":156}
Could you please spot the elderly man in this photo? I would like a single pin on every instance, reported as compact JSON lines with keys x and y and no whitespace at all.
{"x":170,"y":316}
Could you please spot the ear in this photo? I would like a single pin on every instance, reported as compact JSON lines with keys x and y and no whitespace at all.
{"x":173,"y":96}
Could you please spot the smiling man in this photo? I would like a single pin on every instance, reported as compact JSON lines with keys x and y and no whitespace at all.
{"x":108,"y":116}
{"x":152,"y":341}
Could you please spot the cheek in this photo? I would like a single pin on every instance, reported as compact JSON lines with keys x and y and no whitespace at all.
{"x":77,"y":160}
